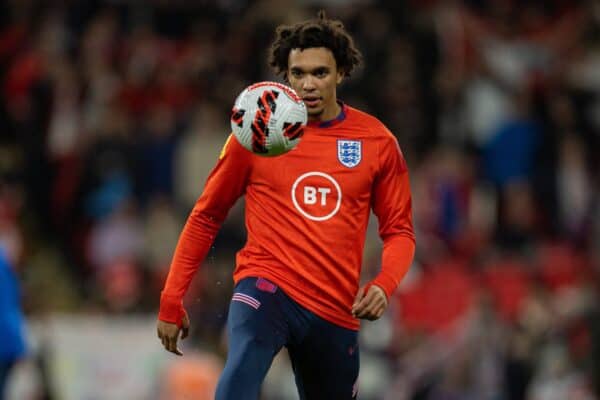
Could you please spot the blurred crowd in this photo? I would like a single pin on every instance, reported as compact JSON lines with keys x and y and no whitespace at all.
{"x":114,"y":112}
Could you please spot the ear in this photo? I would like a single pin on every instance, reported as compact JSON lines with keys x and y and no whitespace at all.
{"x":339,"y":77}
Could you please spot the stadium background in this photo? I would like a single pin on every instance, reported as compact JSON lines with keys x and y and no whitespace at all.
{"x":113,"y":112}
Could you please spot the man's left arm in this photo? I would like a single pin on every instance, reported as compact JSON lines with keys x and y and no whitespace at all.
{"x":391,"y":203}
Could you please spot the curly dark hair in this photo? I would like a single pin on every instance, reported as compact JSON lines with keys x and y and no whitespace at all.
{"x":319,"y":32}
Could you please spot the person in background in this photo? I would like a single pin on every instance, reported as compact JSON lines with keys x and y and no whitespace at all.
{"x":12,"y":324}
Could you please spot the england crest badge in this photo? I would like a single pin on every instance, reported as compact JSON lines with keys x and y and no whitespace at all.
{"x":349,"y":152}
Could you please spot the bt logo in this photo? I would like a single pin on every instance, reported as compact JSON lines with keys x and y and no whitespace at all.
{"x":310,"y":194}
{"x":317,"y":196}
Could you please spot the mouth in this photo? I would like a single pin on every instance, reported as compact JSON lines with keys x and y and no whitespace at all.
{"x":311,"y":101}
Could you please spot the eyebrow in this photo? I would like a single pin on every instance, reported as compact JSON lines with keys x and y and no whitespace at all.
{"x":313,"y":70}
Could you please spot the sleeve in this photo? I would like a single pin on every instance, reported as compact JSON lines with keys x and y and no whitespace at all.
{"x":225,"y":184}
{"x":391,"y":203}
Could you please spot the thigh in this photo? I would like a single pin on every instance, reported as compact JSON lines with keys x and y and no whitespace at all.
{"x":326,"y":363}
{"x":257,"y":314}
{"x":255,"y":334}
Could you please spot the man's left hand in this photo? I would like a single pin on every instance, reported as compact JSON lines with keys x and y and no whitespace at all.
{"x":370,"y":306}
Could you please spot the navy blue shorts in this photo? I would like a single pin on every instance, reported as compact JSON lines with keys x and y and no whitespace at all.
{"x":262,"y":319}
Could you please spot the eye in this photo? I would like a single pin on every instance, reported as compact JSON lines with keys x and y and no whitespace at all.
{"x":296,"y":73}
{"x":321,"y":73}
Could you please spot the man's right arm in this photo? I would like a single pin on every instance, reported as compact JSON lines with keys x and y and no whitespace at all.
{"x":225,"y":184}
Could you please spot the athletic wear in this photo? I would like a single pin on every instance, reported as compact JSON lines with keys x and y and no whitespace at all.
{"x":262,"y":319}
{"x":306,"y":216}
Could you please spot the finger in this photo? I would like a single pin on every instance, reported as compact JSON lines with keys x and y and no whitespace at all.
{"x":374,"y":307}
{"x":370,"y":310}
{"x":174,"y":349}
{"x":172,"y":343}
{"x":359,"y":295}
{"x":177,"y":352}
{"x":185,"y":327}
{"x":378,"y":296}
{"x":380,"y":310}
{"x":376,"y":314}
{"x":360,"y":308}
{"x":382,"y":306}
{"x":364,"y":303}
{"x":167,"y":341}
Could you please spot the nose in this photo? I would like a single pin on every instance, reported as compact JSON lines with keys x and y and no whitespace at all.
{"x":308,"y":84}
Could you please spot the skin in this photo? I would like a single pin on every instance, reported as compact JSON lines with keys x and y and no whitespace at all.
{"x":168,"y":333}
{"x":314,"y":75}
{"x":370,"y":306}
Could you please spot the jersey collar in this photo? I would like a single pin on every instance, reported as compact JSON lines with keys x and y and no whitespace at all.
{"x":326,"y":124}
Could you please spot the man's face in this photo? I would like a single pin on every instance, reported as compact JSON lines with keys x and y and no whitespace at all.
{"x":313,"y":74}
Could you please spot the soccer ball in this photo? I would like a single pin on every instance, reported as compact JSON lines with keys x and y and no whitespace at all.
{"x":268,"y":118}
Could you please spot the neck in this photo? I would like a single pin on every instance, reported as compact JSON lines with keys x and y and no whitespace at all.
{"x":328,"y":114}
